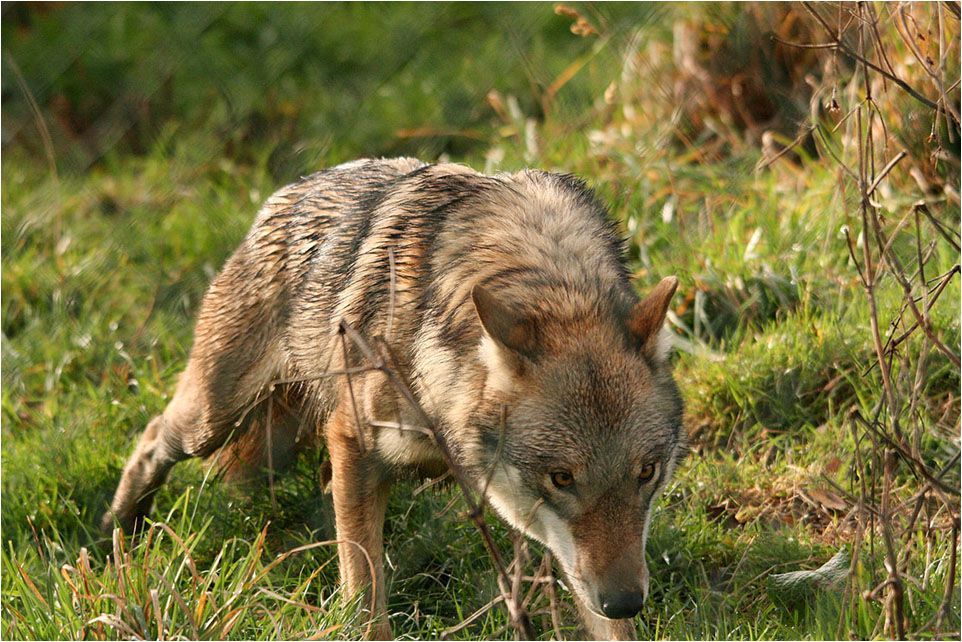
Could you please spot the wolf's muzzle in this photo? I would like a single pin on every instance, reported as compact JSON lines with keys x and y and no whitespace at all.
{"x":623,"y":604}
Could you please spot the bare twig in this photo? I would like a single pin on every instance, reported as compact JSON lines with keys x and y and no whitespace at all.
{"x":894,"y":430}
{"x":468,"y":621}
{"x":358,"y":430}
{"x":843,"y":48}
{"x":895,"y":599}
{"x":946,"y":233}
{"x":945,"y":608}
{"x":553,"y":605}
{"x":270,"y":450}
{"x":766,"y":162}
{"x":389,"y":332}
{"x":885,"y":172}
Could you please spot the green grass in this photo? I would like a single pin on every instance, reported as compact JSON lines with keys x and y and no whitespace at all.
{"x":104,"y":267}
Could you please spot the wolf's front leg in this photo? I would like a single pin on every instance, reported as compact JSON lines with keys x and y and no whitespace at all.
{"x":360,"y":499}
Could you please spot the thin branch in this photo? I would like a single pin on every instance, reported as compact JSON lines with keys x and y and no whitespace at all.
{"x":358,"y":430}
{"x":795,"y":143}
{"x":922,"y":207}
{"x":270,"y":451}
{"x":885,"y":172}
{"x":468,"y":621}
{"x":840,"y":46}
{"x":945,"y":608}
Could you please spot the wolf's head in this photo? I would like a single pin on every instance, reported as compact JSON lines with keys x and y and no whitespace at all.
{"x":592,"y":433}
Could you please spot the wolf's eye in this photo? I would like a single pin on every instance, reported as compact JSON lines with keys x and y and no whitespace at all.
{"x":647,"y":473}
{"x":562,"y":479}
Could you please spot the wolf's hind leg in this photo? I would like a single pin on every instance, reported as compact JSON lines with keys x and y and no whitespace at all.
{"x":190,"y":426}
{"x":156,"y":453}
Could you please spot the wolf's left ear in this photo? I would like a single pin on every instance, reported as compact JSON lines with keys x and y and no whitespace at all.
{"x":509,"y":342}
{"x":503,"y":323}
{"x":647,"y":319}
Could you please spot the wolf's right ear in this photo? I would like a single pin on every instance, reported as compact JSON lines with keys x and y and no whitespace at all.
{"x":647,"y":319}
{"x":503,"y":324}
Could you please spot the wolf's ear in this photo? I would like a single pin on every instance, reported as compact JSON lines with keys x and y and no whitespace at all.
{"x":647,"y":319}
{"x":503,"y":324}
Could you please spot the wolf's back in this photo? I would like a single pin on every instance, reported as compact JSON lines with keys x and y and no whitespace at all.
{"x":394,"y":248}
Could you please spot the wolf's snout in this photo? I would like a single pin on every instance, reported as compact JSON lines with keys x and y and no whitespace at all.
{"x":623,"y":604}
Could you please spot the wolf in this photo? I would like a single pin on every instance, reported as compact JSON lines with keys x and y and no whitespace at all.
{"x":505,"y":303}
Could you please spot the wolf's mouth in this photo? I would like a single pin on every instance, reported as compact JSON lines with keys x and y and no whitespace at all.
{"x":598,"y":613}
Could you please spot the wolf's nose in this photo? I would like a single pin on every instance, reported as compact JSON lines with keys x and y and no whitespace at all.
{"x":622,"y":605}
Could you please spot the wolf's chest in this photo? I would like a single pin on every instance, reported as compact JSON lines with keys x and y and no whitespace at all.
{"x":402,"y":444}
